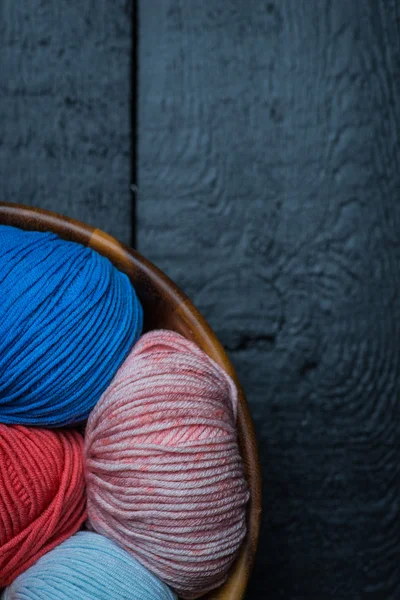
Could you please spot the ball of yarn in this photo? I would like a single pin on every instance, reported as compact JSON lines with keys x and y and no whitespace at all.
{"x":164,"y":473}
{"x":42,"y":494}
{"x":68,"y":319}
{"x":88,"y":566}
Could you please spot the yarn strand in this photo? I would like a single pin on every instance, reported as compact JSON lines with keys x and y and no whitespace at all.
{"x":163,"y":468}
{"x":42,"y":494}
{"x":68,"y":319}
{"x":87,"y":567}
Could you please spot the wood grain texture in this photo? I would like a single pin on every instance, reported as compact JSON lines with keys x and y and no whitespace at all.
{"x":65,"y":108}
{"x":269,"y":176}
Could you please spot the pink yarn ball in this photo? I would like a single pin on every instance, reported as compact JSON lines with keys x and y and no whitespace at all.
{"x":164,"y":474}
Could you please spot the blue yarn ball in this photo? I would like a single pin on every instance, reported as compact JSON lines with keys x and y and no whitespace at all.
{"x":68,"y":319}
{"x":87,"y":566}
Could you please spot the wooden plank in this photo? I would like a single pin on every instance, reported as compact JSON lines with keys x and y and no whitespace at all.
{"x":268,"y":173}
{"x":65,"y":109}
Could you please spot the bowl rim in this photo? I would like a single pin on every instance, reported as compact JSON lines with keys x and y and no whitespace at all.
{"x":132,"y":262}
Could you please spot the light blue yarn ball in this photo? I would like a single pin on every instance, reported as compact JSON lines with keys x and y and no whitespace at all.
{"x":68,"y":319}
{"x":87,"y":566}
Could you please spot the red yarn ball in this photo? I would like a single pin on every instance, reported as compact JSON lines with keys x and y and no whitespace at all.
{"x":42,"y":494}
{"x":164,"y":472}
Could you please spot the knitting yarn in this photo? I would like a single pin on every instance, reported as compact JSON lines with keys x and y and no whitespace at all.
{"x":163,"y":469}
{"x":42,"y":494}
{"x":68,"y":319}
{"x":88,"y":566}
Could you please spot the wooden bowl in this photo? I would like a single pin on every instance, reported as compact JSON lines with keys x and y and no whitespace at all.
{"x":165,"y":306}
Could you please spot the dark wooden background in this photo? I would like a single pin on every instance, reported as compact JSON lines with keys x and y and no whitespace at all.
{"x":263,"y":138}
